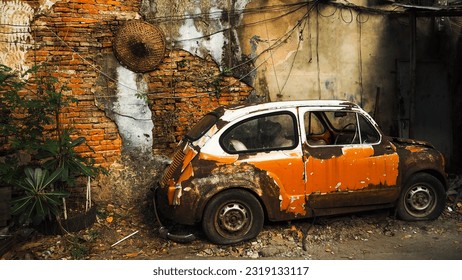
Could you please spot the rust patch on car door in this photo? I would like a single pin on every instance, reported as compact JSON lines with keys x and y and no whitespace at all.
{"x":286,"y":169}
{"x":357,"y":168}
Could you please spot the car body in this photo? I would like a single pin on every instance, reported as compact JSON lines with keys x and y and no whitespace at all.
{"x":231,"y":172}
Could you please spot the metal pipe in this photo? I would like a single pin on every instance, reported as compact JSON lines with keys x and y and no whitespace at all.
{"x":163,"y":231}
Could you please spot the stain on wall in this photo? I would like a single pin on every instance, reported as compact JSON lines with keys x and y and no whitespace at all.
{"x":15,"y":36}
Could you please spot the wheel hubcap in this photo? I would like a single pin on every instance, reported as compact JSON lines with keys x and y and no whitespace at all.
{"x":419,"y":198}
{"x":233,"y":217}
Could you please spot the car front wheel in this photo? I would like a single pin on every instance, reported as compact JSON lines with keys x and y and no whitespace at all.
{"x":232,"y":216}
{"x":423,"y":198}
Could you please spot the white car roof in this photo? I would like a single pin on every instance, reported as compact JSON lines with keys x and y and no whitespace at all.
{"x":234,"y":112}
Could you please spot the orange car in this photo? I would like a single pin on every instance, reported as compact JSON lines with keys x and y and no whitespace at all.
{"x":239,"y":166}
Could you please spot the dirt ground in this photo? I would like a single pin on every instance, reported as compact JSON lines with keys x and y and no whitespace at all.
{"x":370,"y":235}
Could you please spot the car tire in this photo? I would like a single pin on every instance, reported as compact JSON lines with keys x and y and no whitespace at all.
{"x":232,"y":216}
{"x":423,"y":198}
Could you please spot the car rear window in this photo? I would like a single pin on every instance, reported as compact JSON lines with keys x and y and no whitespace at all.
{"x":204,"y":124}
{"x":263,"y":133}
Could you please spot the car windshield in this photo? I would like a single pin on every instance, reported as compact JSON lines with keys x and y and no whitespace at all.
{"x":198,"y":130}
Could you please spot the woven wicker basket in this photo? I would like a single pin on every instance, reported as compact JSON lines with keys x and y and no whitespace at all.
{"x":139,"y":46}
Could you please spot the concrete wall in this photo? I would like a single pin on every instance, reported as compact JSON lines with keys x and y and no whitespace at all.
{"x":289,"y":50}
{"x":334,"y":53}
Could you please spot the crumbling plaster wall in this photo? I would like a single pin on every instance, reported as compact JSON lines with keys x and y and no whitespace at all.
{"x":290,"y":50}
{"x":123,"y":115}
{"x":217,"y":53}
{"x":333,"y":53}
{"x":322,"y":58}
{"x":15,"y":36}
{"x":201,"y":27}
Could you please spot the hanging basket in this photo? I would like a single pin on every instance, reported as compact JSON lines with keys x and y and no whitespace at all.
{"x":139,"y":46}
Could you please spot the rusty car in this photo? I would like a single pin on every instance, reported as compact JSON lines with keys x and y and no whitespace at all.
{"x":240,"y":166}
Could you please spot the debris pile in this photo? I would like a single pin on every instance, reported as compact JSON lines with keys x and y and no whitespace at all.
{"x":122,"y":233}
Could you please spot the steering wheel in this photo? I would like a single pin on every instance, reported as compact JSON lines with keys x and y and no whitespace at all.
{"x":342,"y":131}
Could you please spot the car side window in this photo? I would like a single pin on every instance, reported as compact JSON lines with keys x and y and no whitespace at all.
{"x":313,"y":124}
{"x":315,"y":130}
{"x":262,"y":133}
{"x":344,"y":126}
{"x":339,"y":128}
{"x":368,"y":133}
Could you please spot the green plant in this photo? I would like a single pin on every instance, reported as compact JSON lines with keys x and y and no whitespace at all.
{"x":60,"y":153}
{"x":143,"y":96}
{"x":9,"y":170}
{"x":31,"y":134}
{"x":216,"y":84}
{"x":40,"y":199}
{"x":29,"y":103}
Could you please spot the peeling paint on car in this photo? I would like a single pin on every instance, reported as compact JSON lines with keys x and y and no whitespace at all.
{"x":189,"y":155}
{"x":366,"y":171}
{"x":415,"y":149}
{"x":356,"y":169}
{"x":287,"y":174}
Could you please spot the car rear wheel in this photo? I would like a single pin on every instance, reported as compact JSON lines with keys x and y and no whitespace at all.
{"x":423,"y":198}
{"x":232,"y":216}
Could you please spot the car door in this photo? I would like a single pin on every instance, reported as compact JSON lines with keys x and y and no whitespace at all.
{"x":271,"y":143}
{"x":347,"y":161}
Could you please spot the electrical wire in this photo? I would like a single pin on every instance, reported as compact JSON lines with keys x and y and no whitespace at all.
{"x":318,"y":8}
{"x":276,"y":44}
{"x":343,"y":18}
{"x":299,"y":24}
{"x":242,"y":26}
{"x":360,"y":15}
{"x":318,"y":67}
{"x":360,"y":61}
{"x":292,"y":8}
{"x":209,"y":15}
{"x":272,"y":60}
{"x":236,"y":12}
{"x":136,"y":91}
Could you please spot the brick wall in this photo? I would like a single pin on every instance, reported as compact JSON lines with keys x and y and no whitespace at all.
{"x":70,"y":37}
{"x":182,"y":90}
{"x":75,"y":37}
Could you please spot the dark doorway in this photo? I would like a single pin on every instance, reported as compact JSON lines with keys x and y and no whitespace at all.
{"x":427,"y":116}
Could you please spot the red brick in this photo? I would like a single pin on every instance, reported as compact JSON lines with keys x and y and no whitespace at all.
{"x":85,"y":1}
{"x":175,"y":106}
{"x":97,"y":137}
